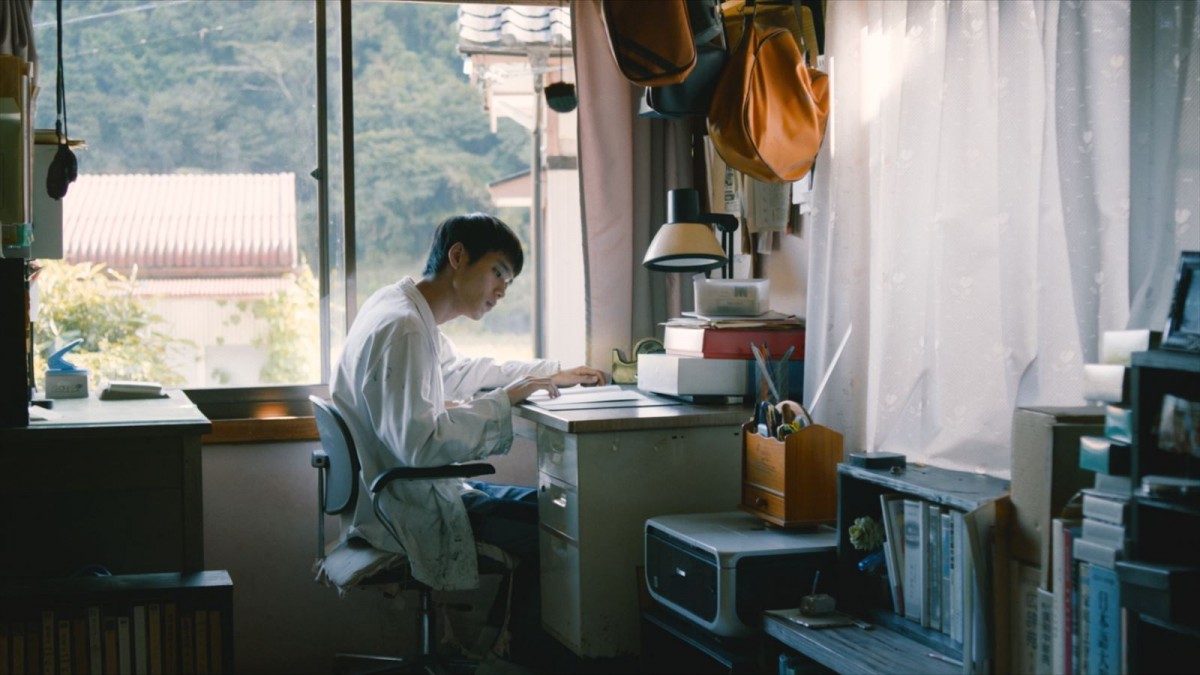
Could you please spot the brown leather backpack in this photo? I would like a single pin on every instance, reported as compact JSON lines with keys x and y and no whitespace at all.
{"x":651,"y":40}
{"x":767,"y":117}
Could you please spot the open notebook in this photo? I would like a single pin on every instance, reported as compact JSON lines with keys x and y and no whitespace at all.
{"x":607,"y":396}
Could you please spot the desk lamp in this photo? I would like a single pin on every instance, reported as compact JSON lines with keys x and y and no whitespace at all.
{"x":685,"y":243}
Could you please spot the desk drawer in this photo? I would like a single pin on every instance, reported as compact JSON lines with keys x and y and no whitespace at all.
{"x":561,"y":597}
{"x":758,"y":500}
{"x":558,"y":454}
{"x":558,"y":507}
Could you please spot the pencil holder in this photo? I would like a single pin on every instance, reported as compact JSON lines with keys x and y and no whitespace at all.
{"x":793,"y":482}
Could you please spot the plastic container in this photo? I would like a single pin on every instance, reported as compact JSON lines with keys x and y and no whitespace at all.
{"x":732,"y":297}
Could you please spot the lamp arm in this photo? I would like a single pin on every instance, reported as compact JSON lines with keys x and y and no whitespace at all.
{"x":727,"y":224}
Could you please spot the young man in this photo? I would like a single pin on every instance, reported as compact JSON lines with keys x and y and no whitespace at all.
{"x":410,"y":399}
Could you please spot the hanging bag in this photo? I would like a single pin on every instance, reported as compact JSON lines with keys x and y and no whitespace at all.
{"x":767,"y":117}
{"x":650,"y":40}
{"x":692,"y":96}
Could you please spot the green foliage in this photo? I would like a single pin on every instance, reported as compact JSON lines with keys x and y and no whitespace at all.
{"x":288,"y":340}
{"x":120,"y":336}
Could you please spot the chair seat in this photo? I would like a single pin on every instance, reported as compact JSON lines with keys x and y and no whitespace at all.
{"x":354,"y":562}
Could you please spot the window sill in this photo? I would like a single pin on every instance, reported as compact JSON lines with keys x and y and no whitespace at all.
{"x":261,"y":430}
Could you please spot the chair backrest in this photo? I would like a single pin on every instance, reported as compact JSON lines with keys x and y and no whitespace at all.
{"x":341,"y":485}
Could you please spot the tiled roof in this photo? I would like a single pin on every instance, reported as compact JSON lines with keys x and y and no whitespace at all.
{"x":499,"y":28}
{"x":183,"y":225}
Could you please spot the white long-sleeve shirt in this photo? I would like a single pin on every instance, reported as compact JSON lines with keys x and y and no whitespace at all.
{"x":396,"y":372}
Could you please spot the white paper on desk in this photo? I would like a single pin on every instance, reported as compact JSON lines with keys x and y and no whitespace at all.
{"x":578,"y":390}
{"x":620,"y":398}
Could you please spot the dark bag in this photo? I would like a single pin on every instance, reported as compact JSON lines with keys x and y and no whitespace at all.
{"x":651,"y":40}
{"x":767,"y":117}
{"x":692,"y":97}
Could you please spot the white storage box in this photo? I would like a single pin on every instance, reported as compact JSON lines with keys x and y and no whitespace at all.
{"x":691,"y":375}
{"x":732,"y":297}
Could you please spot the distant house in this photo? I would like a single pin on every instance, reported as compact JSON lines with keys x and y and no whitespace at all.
{"x":197,"y":246}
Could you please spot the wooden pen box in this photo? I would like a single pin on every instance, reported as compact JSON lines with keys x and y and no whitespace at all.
{"x":793,"y":482}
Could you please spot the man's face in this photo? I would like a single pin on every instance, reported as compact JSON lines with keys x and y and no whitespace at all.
{"x":481,"y":283}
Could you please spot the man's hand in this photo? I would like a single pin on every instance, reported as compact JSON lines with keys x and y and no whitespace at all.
{"x":521,"y":389}
{"x":588,"y":377}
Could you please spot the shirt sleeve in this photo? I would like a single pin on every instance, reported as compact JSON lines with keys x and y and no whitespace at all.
{"x":464,"y":376}
{"x":408,"y":412}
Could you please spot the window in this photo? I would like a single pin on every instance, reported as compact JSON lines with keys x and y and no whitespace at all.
{"x":194,"y":249}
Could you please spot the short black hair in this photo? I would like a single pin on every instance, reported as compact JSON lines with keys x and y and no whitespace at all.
{"x":480,"y":234}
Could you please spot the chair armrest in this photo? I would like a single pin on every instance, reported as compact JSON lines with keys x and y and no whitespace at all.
{"x":427,"y":473}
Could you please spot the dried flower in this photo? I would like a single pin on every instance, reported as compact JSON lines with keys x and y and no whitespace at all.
{"x":866,"y":534}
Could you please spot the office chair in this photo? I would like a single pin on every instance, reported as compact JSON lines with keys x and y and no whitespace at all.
{"x":355,"y":562}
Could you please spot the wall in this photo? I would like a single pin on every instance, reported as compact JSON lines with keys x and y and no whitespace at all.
{"x":260,"y":505}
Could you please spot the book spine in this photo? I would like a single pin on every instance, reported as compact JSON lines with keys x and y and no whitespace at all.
{"x":154,"y":638}
{"x":187,"y":665}
{"x":47,"y":643}
{"x":1045,"y":647}
{"x":933,"y":568}
{"x":958,"y":586}
{"x":914,"y":577}
{"x":125,"y":645}
{"x":1104,"y":614}
{"x":216,"y":657}
{"x":79,"y":646}
{"x":95,"y":641}
{"x":1084,"y":579}
{"x":33,"y":647}
{"x":945,"y":552}
{"x":1104,"y":509}
{"x":894,"y":562}
{"x":1103,"y":533}
{"x":139,"y":640}
{"x":112,"y":653}
{"x":1062,"y":562}
{"x":200,"y":630}
{"x":170,"y":640}
{"x":64,"y":647}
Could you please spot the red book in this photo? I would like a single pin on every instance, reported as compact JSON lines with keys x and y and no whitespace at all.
{"x":732,"y":343}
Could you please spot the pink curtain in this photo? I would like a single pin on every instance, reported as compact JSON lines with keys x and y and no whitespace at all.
{"x":626,"y":166}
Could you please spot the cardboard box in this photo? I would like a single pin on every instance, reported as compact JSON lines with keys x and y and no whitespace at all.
{"x":1045,"y":474}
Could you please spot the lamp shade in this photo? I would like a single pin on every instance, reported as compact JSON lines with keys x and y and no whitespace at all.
{"x":683,"y":244}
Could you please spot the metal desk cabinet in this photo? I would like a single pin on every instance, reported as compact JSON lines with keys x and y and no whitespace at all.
{"x":601,"y":474}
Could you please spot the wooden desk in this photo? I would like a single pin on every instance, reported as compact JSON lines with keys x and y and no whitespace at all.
{"x":602,"y":473}
{"x":112,"y":483}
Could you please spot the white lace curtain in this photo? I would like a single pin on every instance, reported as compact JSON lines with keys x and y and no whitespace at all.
{"x":973,"y":216}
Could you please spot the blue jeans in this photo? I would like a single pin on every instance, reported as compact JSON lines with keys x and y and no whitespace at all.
{"x":506,"y":516}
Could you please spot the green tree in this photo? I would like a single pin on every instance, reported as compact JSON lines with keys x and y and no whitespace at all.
{"x":121,"y":339}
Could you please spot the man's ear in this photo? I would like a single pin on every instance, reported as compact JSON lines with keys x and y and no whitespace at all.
{"x":458,"y":256}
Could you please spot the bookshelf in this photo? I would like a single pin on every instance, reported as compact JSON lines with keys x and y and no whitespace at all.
{"x":163,"y":623}
{"x":1160,"y":578}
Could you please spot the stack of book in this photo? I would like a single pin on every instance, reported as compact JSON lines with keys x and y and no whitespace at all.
{"x":926,"y":554}
{"x":729,"y":338}
{"x":1089,"y":594}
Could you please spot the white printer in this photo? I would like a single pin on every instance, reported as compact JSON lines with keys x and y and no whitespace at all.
{"x":721,"y":570}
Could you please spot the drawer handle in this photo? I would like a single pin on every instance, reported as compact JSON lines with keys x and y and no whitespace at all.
{"x":680,"y":573}
{"x":760,"y":502}
{"x":560,"y":501}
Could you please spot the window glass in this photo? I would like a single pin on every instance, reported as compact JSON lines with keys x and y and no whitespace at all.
{"x":192,"y":237}
{"x":189,"y":237}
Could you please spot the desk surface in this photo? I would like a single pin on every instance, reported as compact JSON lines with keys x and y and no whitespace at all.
{"x":175,"y":414}
{"x":677,"y":414}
